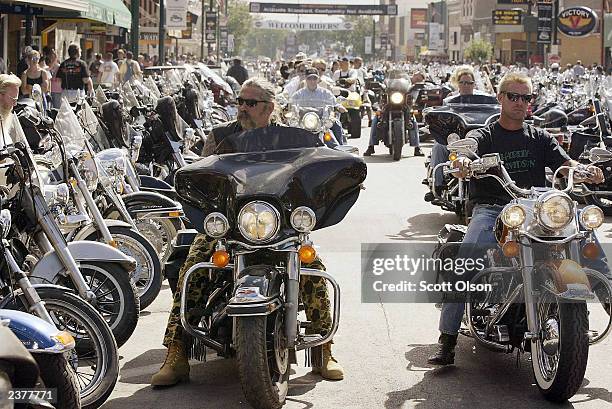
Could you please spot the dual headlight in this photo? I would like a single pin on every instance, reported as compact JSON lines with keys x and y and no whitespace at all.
{"x":396,"y":98}
{"x":553,"y":212}
{"x":259,"y":222}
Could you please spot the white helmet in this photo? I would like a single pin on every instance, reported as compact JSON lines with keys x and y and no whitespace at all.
{"x":554,"y":66}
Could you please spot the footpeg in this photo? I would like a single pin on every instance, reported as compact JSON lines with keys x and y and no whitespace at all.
{"x":500,"y":333}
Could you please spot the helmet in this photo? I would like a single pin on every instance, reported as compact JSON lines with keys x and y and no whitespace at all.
{"x":554,"y":66}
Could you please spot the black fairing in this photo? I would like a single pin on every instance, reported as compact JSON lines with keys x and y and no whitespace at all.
{"x":166,"y":109}
{"x":458,"y":118}
{"x":301,"y":173}
{"x":114,"y":122}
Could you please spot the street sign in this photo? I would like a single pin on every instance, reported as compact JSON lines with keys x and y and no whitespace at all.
{"x":545,"y":12}
{"x":577,"y":21}
{"x":418,"y":18}
{"x":343,"y":9}
{"x":368,"y":45}
{"x":176,"y":14}
{"x":507,"y":17}
{"x":513,"y":1}
{"x":211,"y":27}
{"x":281,"y":25}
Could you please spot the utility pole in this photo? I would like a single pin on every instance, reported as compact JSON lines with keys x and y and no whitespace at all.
{"x":134,"y":34}
{"x":202,"y":30}
{"x":162,"y":32}
{"x":374,"y":38}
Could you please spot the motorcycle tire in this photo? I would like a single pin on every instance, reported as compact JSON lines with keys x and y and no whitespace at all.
{"x":148,"y":275}
{"x":264,"y":378}
{"x":56,"y":372}
{"x":95,"y":349}
{"x":355,"y":123}
{"x":397,"y":140}
{"x":572,"y":351}
{"x":110,"y":280}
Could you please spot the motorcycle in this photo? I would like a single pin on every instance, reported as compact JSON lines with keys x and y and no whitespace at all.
{"x":252,"y":312}
{"x":351,"y":100}
{"x":93,"y":355}
{"x":397,"y":124}
{"x":532,"y":293}
{"x":448,"y":124}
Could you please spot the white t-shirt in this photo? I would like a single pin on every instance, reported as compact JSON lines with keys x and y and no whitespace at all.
{"x":108,"y":70}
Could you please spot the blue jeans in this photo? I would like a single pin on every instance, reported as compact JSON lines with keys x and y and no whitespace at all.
{"x":337,"y":131}
{"x":413,"y":134}
{"x":439,"y":154}
{"x":481,"y":231}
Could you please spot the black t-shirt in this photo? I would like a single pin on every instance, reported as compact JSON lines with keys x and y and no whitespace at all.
{"x":525,"y":152}
{"x":72,"y":72}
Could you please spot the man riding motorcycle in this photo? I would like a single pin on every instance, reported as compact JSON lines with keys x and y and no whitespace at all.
{"x":416,"y":78}
{"x":463,"y":79}
{"x":314,"y":96}
{"x":526,"y":152}
{"x":256,"y":105}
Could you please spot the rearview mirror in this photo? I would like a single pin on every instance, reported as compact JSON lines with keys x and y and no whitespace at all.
{"x":467,"y":146}
{"x":36,"y":93}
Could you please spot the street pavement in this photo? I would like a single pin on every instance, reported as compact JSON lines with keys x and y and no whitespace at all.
{"x":382,"y":347}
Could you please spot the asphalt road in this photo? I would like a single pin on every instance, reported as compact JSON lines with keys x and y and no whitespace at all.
{"x":382,"y":347}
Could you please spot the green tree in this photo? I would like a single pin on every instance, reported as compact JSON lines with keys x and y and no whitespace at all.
{"x":239,"y":23}
{"x":356,"y":37}
{"x":479,"y":50}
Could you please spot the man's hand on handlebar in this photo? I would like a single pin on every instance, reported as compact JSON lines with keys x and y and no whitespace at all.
{"x":589,"y":174}
{"x":462,"y":166}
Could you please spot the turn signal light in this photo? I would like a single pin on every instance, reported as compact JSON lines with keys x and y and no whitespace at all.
{"x":113,"y":243}
{"x":174,"y":214}
{"x":590,"y":251}
{"x":327,"y":137}
{"x":452,"y":157}
{"x":307,"y":254}
{"x":220,"y":258}
{"x":511,"y":249}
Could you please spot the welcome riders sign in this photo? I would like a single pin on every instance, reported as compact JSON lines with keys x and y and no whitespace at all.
{"x":577,"y":21}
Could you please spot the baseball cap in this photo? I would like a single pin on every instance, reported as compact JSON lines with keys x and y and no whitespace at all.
{"x":312,"y":72}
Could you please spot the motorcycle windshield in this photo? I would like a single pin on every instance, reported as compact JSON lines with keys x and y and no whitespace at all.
{"x":68,"y":126}
{"x":214,"y":77}
{"x":287,"y":167}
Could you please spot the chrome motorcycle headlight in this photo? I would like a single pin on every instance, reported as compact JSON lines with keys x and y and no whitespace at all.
{"x":311,"y":121}
{"x":258,"y":221}
{"x":555,"y":211}
{"x":592,"y":217}
{"x":5,"y":222}
{"x":216,"y":225}
{"x":62,"y":193}
{"x":397,"y":98}
{"x":513,"y":216}
{"x":303,"y":219}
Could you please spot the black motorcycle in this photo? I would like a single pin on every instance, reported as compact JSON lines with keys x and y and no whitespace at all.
{"x":261,"y":205}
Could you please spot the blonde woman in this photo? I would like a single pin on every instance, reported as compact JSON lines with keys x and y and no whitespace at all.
{"x":34,"y":75}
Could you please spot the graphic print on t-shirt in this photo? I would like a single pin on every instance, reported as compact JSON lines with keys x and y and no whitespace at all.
{"x":518,"y":161}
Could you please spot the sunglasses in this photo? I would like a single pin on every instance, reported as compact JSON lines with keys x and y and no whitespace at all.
{"x":466,"y":82}
{"x":249,"y":102}
{"x":513,"y":96}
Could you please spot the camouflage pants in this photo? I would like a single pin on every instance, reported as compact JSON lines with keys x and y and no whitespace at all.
{"x":313,"y":292}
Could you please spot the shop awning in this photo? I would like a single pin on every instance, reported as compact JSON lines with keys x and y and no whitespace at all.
{"x":71,"y":5}
{"x":112,"y":12}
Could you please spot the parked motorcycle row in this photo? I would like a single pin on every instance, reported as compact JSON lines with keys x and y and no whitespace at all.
{"x":88,"y":215}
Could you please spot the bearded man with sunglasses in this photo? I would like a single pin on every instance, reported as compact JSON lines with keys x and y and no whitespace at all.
{"x":256,"y":105}
{"x":526,"y":152}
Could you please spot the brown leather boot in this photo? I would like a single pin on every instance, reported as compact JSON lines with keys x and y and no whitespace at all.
{"x":331,"y":369}
{"x":175,"y":367}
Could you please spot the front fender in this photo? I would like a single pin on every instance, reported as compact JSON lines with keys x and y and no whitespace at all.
{"x":141,"y":204}
{"x":50,"y":265}
{"x":257,"y":292}
{"x":36,"y":334}
{"x":91,"y":228}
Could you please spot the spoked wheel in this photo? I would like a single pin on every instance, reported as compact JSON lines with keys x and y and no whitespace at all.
{"x":116,"y":297}
{"x":561,"y":350}
{"x":262,"y":358}
{"x":160,"y":233}
{"x":94,"y":359}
